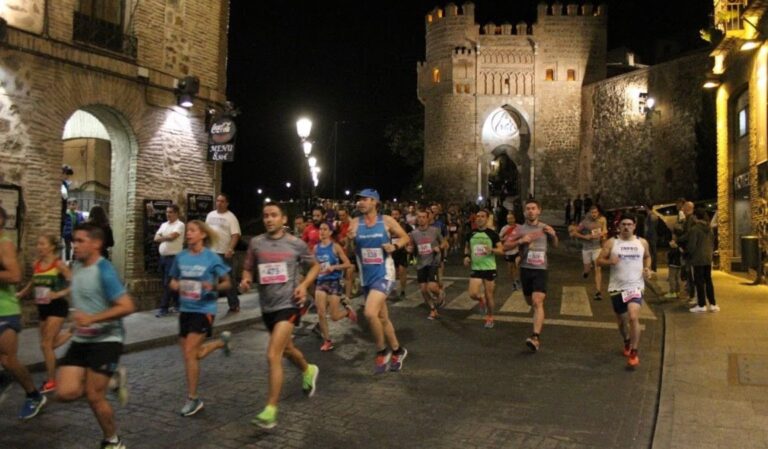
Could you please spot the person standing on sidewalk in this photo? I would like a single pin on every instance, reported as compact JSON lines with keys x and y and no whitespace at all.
{"x":682,"y":231}
{"x":630,"y":263}
{"x":535,"y":238}
{"x":480,"y":254}
{"x":673,"y":276}
{"x":577,"y":209}
{"x":426,"y":244}
{"x":171,"y":239}
{"x":700,"y":248}
{"x":275,"y":260}
{"x":592,"y":231}
{"x":100,"y":301}
{"x":72,"y":217}
{"x":10,"y":326}
{"x":227,"y":228}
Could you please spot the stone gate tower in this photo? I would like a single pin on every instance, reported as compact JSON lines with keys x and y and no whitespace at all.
{"x":503,"y":103}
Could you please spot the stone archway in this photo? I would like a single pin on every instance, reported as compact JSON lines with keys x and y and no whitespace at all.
{"x":104,"y":124}
{"x":506,"y":138}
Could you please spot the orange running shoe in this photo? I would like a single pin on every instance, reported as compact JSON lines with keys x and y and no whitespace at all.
{"x":327,"y":346}
{"x":633,"y":360}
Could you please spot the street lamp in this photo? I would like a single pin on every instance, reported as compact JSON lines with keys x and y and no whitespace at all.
{"x":312,"y":163}
{"x":288,"y":184}
{"x":307,"y":145}
{"x":303,"y":127}
{"x":259,"y":191}
{"x":347,"y":192}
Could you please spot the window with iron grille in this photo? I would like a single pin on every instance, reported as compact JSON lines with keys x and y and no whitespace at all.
{"x":103,"y":23}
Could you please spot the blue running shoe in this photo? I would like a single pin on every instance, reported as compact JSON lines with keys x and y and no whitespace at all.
{"x":191,"y":407}
{"x":396,"y":362}
{"x":32,"y":407}
{"x":382,"y":362}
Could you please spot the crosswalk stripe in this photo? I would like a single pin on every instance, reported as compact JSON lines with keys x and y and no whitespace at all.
{"x":646,"y":313}
{"x":575,"y":301}
{"x":414,"y":299}
{"x":553,"y":322}
{"x":462,"y":302}
{"x":516,"y":303}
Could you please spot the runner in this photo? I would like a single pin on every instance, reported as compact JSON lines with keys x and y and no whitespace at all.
{"x":351,"y":282}
{"x":275,"y":258}
{"x":454,"y":228}
{"x":427,"y":242}
{"x":198,"y":274}
{"x":512,"y":256}
{"x":630,"y":262}
{"x":100,"y":301}
{"x":311,"y":234}
{"x":371,"y":235}
{"x":49,"y":284}
{"x":592,"y":231}
{"x":10,"y":326}
{"x":400,"y":256}
{"x":534,"y":238}
{"x":333,"y":261}
{"x":480,"y":253}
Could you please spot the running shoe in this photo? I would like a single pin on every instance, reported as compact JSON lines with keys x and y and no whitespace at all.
{"x":598,"y":296}
{"x":396,"y":362}
{"x":48,"y":386}
{"x":633,"y":360}
{"x":351,"y":314}
{"x":533,"y":343}
{"x":110,"y":445}
{"x":6,"y":382}
{"x":173,"y":310}
{"x":714,"y":308}
{"x":327,"y":346}
{"x":267,"y":419}
{"x":433,"y":315}
{"x":488,"y":322}
{"x":381,"y":363}
{"x":161,"y":313}
{"x":442,"y":299}
{"x":226,"y":337}
{"x":121,"y":385}
{"x":192,"y":406}
{"x":32,"y":407}
{"x":697,"y":309}
{"x":309,"y":380}
{"x":627,"y":349}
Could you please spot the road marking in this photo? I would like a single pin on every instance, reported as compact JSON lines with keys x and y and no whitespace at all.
{"x":646,"y":313}
{"x":455,"y":278}
{"x":462,"y":302}
{"x":414,"y":299}
{"x":575,"y":302}
{"x":547,"y":322}
{"x":516,"y":303}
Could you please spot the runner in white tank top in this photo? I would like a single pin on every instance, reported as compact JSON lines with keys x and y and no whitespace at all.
{"x":630,"y":263}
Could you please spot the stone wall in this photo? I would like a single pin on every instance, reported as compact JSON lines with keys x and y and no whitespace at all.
{"x":629,"y":156}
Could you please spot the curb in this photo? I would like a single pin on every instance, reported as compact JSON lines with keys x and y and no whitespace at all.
{"x":664,"y":410}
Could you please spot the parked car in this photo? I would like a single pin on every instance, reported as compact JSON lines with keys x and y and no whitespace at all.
{"x":669,"y":211}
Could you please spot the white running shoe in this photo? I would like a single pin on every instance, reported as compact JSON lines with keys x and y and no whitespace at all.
{"x":697,"y":309}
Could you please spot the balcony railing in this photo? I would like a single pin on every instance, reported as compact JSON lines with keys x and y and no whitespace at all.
{"x":103,"y":34}
{"x":728,"y":15}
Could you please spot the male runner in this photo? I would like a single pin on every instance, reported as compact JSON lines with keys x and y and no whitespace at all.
{"x":509,"y":232}
{"x":341,"y":237}
{"x":400,"y":257}
{"x":480,"y":253}
{"x":630,"y":262}
{"x":427,"y":243}
{"x":311,"y":234}
{"x":100,"y":301}
{"x":592,"y":231}
{"x":373,"y":247}
{"x":534,"y":237}
{"x":274,"y":259}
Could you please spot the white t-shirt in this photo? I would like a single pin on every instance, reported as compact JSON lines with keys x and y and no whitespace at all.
{"x":225,"y":225}
{"x":171,"y":247}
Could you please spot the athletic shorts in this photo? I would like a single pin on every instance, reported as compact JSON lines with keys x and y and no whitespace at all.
{"x":195,"y":323}
{"x":511,"y":258}
{"x":330,"y":287}
{"x":381,"y":285}
{"x":10,"y":322}
{"x":590,"y":255}
{"x":99,"y":357}
{"x":400,"y":258}
{"x":533,"y":281}
{"x":57,"y":307}
{"x":427,"y":274}
{"x":619,"y":306}
{"x":486,"y":275}
{"x":271,"y":319}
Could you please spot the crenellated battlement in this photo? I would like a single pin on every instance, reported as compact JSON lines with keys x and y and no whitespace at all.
{"x":506,"y":29}
{"x":558,"y":9}
{"x":437,"y":16}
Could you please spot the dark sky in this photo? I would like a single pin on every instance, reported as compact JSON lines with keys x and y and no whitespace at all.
{"x":354,"y":63}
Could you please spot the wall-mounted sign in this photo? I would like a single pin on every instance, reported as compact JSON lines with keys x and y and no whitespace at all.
{"x":221,"y":140}
{"x":503,"y":125}
{"x":154,"y":216}
{"x":198,"y":206}
{"x":741,"y":183}
{"x":10,"y":201}
{"x":26,"y":15}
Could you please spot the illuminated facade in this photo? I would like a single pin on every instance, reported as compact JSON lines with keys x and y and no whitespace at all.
{"x":739,"y":77}
{"x":92,"y":85}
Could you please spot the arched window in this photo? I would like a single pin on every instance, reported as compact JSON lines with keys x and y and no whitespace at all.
{"x":571,"y":75}
{"x":550,"y":75}
{"x":435,"y":75}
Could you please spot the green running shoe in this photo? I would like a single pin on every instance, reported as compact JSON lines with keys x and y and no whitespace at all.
{"x":309,"y":380}
{"x":267,"y":419}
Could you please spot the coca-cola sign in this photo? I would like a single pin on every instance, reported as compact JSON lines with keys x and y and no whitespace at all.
{"x":221,"y":141}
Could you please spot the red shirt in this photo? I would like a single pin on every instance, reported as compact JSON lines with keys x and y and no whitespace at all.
{"x":342,"y":231}
{"x":311,"y":236}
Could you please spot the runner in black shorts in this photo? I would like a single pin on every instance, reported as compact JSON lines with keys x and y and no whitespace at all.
{"x":426,"y":244}
{"x":480,"y":253}
{"x":400,"y":257}
{"x":333,"y":261}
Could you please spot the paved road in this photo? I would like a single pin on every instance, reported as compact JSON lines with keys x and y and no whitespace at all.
{"x":462,"y":386}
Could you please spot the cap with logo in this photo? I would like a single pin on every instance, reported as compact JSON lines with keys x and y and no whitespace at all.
{"x":369,"y":193}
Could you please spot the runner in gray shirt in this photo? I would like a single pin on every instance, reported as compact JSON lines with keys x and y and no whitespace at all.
{"x":273,"y":259}
{"x":426,"y":244}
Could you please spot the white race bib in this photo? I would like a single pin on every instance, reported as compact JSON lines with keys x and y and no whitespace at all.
{"x":425,"y":249}
{"x":273,"y":273}
{"x":480,"y":250}
{"x":93,"y":330}
{"x":325,"y":267}
{"x":191,"y":290}
{"x":41,"y":295}
{"x":536,"y":258}
{"x":452,"y":228}
{"x":632,"y":293}
{"x":372,"y":256}
{"x":596,"y":232}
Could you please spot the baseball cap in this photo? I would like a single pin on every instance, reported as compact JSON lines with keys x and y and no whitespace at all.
{"x":369,"y":193}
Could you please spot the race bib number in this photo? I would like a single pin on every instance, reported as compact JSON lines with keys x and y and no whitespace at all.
{"x":629,"y":295}
{"x":42,"y":295}
{"x":453,"y":228}
{"x":425,"y":249}
{"x":536,"y":258}
{"x":372,"y":256}
{"x":89,"y":331}
{"x":191,"y":290}
{"x":273,"y":273}
{"x":325,"y":267}
{"x":480,"y":250}
{"x":596,"y":232}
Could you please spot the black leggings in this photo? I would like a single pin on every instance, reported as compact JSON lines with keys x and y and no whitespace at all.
{"x":702,"y":276}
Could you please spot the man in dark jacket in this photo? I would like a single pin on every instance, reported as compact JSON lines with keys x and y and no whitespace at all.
{"x":700,"y":249}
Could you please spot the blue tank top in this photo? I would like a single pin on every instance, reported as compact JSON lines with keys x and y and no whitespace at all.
{"x":374,"y":263}
{"x":326,"y":257}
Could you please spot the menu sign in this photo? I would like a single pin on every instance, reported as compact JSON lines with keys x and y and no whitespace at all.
{"x":221,"y":140}
{"x":198,"y":206}
{"x":154,"y":216}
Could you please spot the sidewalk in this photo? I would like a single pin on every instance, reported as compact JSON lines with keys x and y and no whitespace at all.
{"x":714,"y":385}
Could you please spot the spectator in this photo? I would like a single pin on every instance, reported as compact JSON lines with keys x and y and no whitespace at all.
{"x":673,"y":277}
{"x":700,"y":257}
{"x":587,"y":203}
{"x":171,"y":239}
{"x":568,"y":206}
{"x":98,"y":217}
{"x":227,"y":229}
{"x":577,"y":209}
{"x":72,"y":218}
{"x":299,"y":223}
{"x":682,"y":231}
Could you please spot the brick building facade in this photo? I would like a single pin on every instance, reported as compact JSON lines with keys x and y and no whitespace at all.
{"x":107,"y":72}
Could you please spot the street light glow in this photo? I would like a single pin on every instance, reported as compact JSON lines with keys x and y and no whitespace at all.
{"x":346,"y":192}
{"x":307,"y":148}
{"x":259,"y":191}
{"x":288,"y":184}
{"x":267,"y":200}
{"x":303,"y":127}
{"x":312,"y":162}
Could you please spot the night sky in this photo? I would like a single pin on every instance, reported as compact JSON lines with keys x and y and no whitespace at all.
{"x":354,"y":64}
